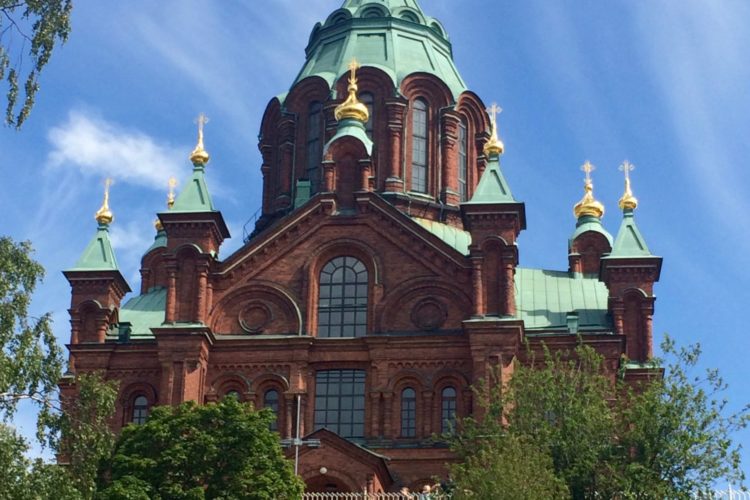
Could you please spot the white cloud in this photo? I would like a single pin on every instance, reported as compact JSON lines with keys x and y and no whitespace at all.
{"x":97,"y":147}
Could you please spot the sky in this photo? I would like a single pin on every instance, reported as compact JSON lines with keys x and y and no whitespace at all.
{"x":661,"y":83}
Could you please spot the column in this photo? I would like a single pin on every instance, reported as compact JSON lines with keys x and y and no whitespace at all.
{"x":395,"y":110}
{"x":510,"y":289}
{"x":200,"y":309}
{"x":171,"y":306}
{"x":450,"y":121}
{"x":477,"y":289}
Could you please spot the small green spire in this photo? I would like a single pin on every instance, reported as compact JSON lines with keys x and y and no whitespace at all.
{"x":492,"y":187}
{"x":99,"y":254}
{"x":352,"y":128}
{"x":195,"y":197}
{"x":629,"y":241}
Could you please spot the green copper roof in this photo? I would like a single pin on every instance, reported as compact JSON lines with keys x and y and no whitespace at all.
{"x":492,"y":187}
{"x":455,"y":238}
{"x":392,"y":35}
{"x":353,"y":128}
{"x":629,"y":241}
{"x":195,"y":196}
{"x":145,"y":312}
{"x":98,"y":255}
{"x":159,"y":241}
{"x":588,"y":223}
{"x":544,"y":299}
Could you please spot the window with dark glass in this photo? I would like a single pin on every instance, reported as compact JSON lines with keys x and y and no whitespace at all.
{"x":408,"y":412}
{"x":463,"y":162}
{"x":419,"y":147}
{"x":271,"y":400}
{"x":342,"y":304}
{"x":448,"y":409}
{"x":340,"y":402}
{"x":368,"y":100}
{"x":313,"y":145}
{"x":140,"y":410}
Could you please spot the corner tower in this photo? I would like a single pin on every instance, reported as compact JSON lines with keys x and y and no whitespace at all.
{"x":427,"y":130}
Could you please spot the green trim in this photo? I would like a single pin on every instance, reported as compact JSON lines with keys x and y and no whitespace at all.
{"x":99,"y":254}
{"x":588,"y":223}
{"x":454,"y":237}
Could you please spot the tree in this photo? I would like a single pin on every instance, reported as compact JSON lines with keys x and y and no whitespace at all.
{"x":36,"y":26}
{"x":221,"y":450}
{"x":668,"y":438}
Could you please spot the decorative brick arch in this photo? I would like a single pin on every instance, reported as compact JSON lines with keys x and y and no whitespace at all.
{"x":398,"y":383}
{"x":256,"y":309}
{"x":443,"y":379}
{"x":402,"y":307}
{"x":128,"y":395}
{"x":324,"y":254}
{"x":279,"y":383}
{"x":475,"y":117}
{"x":227,"y":382}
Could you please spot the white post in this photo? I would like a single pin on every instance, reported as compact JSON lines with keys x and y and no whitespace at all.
{"x":297,"y":439}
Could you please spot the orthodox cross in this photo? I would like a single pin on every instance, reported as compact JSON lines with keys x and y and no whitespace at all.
{"x":201,"y":121}
{"x":353,"y":67}
{"x":297,"y":441}
{"x":627,"y":167}
{"x":588,"y":168}
{"x":170,"y":196}
{"x":494,"y":110}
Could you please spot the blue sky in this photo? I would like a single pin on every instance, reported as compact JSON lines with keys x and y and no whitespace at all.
{"x":661,"y":83}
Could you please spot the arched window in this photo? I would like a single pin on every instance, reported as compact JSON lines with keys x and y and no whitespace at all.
{"x":408,"y":413}
{"x":342,"y":304}
{"x":448,"y":409}
{"x":368,"y":100}
{"x":271,"y":400}
{"x":140,"y":410}
{"x":233,"y":394}
{"x":419,"y":146}
{"x":313,"y":149}
{"x":463,"y":161}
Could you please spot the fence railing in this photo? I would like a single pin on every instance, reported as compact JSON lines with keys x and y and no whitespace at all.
{"x":727,"y":494}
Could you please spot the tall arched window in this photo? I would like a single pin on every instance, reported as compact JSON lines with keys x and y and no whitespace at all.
{"x":463,"y":162}
{"x":419,"y":146}
{"x":140,"y":410}
{"x":408,"y":413}
{"x":271,"y":400}
{"x":368,"y":100}
{"x":448,"y":409}
{"x":313,"y":149}
{"x":342,"y":304}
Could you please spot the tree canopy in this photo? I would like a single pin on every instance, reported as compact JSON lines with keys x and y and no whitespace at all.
{"x":219,"y":450}
{"x":561,"y":422}
{"x":30,"y":28}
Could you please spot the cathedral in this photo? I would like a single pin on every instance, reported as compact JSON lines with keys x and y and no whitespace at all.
{"x":382,"y":279}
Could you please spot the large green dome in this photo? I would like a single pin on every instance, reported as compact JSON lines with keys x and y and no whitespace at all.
{"x":392,"y":35}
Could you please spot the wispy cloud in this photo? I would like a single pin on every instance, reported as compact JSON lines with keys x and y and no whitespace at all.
{"x":97,"y":147}
{"x":130,"y":241}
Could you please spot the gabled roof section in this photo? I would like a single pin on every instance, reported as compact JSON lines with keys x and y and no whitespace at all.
{"x":99,"y":254}
{"x":629,"y":241}
{"x":454,"y":237}
{"x":145,"y":312}
{"x":195,"y":197}
{"x":492,"y":187}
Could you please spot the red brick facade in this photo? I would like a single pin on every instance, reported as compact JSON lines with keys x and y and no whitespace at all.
{"x":437,"y":317}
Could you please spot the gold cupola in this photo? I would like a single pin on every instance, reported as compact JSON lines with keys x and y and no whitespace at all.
{"x":495,"y":146}
{"x":200,"y":156}
{"x":104,"y":215}
{"x":588,"y":204}
{"x":628,"y":201}
{"x":351,"y":108}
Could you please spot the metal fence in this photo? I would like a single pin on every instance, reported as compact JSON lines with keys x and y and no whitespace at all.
{"x":728,"y":494}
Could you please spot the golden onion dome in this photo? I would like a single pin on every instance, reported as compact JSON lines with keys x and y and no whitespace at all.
{"x":588,"y":204}
{"x":495,"y":146}
{"x":104,"y":215}
{"x":351,"y":108}
{"x":199,"y":156}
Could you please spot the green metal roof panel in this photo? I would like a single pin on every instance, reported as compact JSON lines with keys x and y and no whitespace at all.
{"x":195,"y":196}
{"x":629,"y":241}
{"x":99,"y":254}
{"x":589,"y":223}
{"x":492,"y":187}
{"x":544,"y":299}
{"x":145,"y":312}
{"x":352,"y":128}
{"x":160,"y":241}
{"x":392,"y":35}
{"x":454,"y":237}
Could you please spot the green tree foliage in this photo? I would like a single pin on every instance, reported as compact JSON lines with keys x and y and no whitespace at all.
{"x":31,"y":28}
{"x":30,"y":359}
{"x":220,"y":451}
{"x":667,"y":438}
